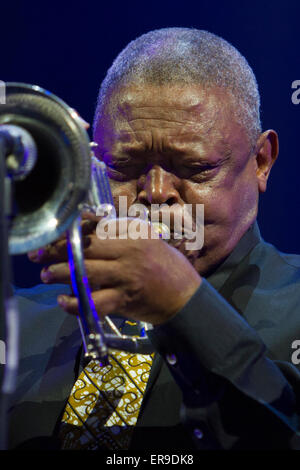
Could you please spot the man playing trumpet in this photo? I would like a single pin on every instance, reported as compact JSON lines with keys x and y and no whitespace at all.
{"x":177,"y":123}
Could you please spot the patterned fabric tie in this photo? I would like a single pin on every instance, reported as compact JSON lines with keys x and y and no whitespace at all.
{"x":104,"y":404}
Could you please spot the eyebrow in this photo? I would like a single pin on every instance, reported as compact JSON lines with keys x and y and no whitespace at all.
{"x":216,"y":160}
{"x":124,"y":148}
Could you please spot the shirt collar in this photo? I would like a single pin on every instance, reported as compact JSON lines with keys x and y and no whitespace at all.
{"x":244,"y":246}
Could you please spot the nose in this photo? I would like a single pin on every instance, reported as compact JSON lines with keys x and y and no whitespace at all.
{"x":158,"y":187}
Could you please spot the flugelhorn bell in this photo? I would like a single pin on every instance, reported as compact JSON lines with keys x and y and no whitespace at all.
{"x":49,"y":200}
{"x":50,"y":197}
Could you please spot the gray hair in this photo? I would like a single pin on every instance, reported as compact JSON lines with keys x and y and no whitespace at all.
{"x":187,"y":56}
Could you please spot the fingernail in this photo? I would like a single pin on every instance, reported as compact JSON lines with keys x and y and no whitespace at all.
{"x":35,"y":255}
{"x":46,"y":275}
{"x":62,"y":300}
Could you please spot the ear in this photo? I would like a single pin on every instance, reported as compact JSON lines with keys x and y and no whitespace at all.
{"x":267,"y":149}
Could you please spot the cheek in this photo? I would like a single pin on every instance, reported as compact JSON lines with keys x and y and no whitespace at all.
{"x":247,"y":200}
{"x":234,"y":199}
{"x":206,"y":194}
{"x":128,"y":190}
{"x":245,"y":191}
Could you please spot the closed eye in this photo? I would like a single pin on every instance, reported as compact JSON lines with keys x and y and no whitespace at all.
{"x":190,"y":171}
{"x":196,"y":167}
{"x":199,"y":171}
{"x":123,"y":170}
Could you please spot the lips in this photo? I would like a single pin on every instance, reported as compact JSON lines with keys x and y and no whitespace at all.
{"x":175,"y":219}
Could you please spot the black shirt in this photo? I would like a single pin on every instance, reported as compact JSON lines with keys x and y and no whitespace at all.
{"x":223,"y":377}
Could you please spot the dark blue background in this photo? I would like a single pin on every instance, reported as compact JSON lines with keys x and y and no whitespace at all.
{"x":67,"y":47}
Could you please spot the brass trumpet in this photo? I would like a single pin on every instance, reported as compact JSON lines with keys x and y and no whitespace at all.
{"x":65,"y":179}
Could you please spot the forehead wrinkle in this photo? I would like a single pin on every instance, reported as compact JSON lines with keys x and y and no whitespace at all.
{"x":168,"y":137}
{"x":162,"y":113}
{"x":162,"y":119}
{"x":197,"y":122}
{"x":177,"y":146}
{"x":174,"y":146}
{"x":195,"y":118}
{"x":134,"y":137}
{"x":187,"y":102}
{"x":192,"y":100}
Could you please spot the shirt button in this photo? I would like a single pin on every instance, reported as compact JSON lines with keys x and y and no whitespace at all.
{"x":171,"y":359}
{"x":198,"y":433}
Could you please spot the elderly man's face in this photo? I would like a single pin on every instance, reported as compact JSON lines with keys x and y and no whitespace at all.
{"x":182,"y":144}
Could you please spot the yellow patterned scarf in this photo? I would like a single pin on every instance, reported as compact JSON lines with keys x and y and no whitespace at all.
{"x":104,"y":404}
